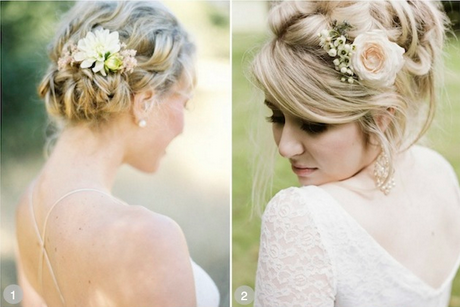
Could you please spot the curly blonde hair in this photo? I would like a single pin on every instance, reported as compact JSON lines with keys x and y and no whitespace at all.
{"x":164,"y":57}
{"x":293,"y":69}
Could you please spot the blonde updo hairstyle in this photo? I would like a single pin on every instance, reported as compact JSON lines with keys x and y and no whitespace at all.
{"x":164,"y":57}
{"x":300,"y":75}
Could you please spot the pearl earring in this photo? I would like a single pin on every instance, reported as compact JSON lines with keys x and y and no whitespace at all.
{"x":142,"y":123}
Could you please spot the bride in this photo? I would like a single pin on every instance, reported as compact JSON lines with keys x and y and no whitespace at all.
{"x":120,"y":76}
{"x":377,"y":219}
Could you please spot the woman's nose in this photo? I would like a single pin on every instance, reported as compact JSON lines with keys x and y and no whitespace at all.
{"x":290,"y":143}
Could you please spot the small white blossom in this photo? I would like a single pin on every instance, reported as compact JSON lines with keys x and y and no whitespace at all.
{"x":332,"y":52}
{"x":325,"y":33}
{"x":340,"y":41}
{"x":335,"y":43}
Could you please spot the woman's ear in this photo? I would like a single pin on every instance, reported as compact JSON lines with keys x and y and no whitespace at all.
{"x":142,"y":103}
{"x":383,"y":120}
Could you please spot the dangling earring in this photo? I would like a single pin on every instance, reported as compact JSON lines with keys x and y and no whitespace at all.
{"x":142,"y":123}
{"x":382,"y":171}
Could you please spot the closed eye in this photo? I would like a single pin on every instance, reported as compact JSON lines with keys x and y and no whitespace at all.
{"x":276,"y":119}
{"x":314,"y":128}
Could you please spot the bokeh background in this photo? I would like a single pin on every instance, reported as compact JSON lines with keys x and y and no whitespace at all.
{"x":193,"y":183}
{"x":249,"y":31}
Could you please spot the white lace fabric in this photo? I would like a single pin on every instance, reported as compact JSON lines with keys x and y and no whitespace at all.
{"x":313,"y":254}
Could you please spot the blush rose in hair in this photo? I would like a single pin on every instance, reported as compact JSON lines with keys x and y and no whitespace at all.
{"x":376,"y":60}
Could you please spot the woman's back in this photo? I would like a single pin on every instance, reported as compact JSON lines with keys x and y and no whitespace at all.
{"x":97,"y":246}
{"x":402,"y":249}
{"x":419,"y":221}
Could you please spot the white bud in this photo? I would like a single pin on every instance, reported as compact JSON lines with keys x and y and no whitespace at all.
{"x":332,"y":52}
{"x":351,"y":80}
{"x":343,"y":79}
{"x":325,"y":33}
{"x":343,"y":70}
{"x":336,"y":62}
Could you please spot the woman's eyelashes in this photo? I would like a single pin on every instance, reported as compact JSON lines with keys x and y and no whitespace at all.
{"x":276,"y":119}
{"x":307,"y":126}
{"x":313,"y":128}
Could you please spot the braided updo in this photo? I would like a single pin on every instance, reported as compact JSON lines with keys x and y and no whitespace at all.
{"x":164,"y":56}
{"x":299,"y":74}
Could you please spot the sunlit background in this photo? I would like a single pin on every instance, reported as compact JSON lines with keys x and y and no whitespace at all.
{"x":249,"y":31}
{"x":193,"y":183}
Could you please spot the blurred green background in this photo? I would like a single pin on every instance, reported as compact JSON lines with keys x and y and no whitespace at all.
{"x":248,"y":33}
{"x":193,"y":183}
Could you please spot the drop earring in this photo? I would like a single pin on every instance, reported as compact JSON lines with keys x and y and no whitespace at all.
{"x":381,"y":172}
{"x":142,"y":123}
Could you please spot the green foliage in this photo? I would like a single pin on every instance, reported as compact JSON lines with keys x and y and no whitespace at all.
{"x":26,"y":29}
{"x":218,"y":14}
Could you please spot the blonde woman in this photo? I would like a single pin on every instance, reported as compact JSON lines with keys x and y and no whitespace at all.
{"x":120,"y":76}
{"x":351,"y":87}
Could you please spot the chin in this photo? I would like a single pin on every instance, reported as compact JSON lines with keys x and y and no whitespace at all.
{"x":312,"y":181}
{"x":147,"y":168}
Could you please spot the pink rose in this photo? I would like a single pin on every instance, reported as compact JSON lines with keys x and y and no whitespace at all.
{"x":375,"y":59}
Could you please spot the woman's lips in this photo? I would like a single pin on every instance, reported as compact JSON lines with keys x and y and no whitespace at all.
{"x":303,"y":171}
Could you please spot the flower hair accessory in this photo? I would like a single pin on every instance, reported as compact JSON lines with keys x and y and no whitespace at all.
{"x":101,"y":51}
{"x":371,"y":58}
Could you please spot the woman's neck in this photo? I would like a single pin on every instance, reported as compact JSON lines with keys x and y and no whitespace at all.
{"x":84,"y":157}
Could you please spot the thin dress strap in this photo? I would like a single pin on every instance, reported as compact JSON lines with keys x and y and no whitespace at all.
{"x":42,"y":237}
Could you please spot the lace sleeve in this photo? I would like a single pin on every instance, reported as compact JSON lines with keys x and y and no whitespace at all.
{"x":294,"y":268}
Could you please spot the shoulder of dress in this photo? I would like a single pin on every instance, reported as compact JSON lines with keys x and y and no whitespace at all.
{"x":296,"y":201}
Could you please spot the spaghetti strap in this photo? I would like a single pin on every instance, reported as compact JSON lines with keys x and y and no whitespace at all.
{"x":41,"y":238}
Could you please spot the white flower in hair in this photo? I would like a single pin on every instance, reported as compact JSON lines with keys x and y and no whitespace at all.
{"x":376,"y":60}
{"x":97,"y":48}
{"x":371,"y":57}
{"x":101,"y":51}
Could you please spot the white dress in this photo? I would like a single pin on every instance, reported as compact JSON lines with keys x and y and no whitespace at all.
{"x":207,"y":294}
{"x":314,"y":254}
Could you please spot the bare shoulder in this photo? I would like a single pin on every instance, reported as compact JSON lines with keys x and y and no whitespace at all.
{"x":150,"y":251}
{"x":433,"y":161}
{"x":143,"y":229}
{"x":432,"y":173}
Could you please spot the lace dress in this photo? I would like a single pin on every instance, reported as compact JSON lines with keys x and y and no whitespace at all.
{"x":314,"y":254}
